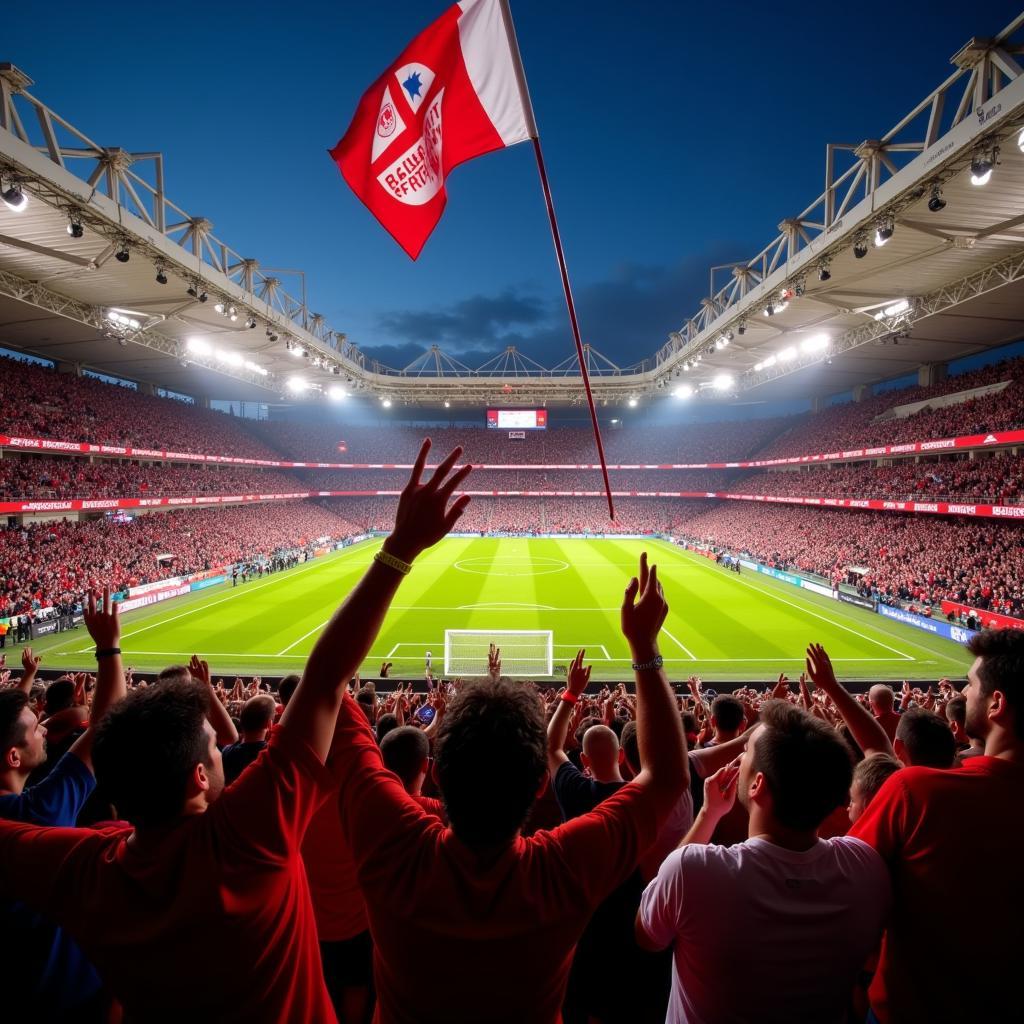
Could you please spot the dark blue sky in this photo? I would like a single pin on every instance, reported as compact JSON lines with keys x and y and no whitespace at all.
{"x":676,"y":137}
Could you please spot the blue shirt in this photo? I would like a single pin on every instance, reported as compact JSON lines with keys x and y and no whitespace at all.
{"x":54,"y":973}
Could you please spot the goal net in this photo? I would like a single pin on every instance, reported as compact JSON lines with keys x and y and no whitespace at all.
{"x":524,"y":652}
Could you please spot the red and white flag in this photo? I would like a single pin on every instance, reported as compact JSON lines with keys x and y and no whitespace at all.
{"x":453,"y":94}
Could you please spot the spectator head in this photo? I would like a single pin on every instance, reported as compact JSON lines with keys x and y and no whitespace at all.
{"x":956,"y":711}
{"x":174,"y":674}
{"x":995,"y":686}
{"x":795,"y":769}
{"x":581,"y":730}
{"x":881,"y":699}
{"x":286,"y":688}
{"x":868,"y":776}
{"x":727,"y":717}
{"x":924,"y":740}
{"x":406,"y":752}
{"x":366,"y":698}
{"x":602,"y":753}
{"x":385,"y":723}
{"x":491,"y":760}
{"x":689,"y":723}
{"x":155,"y":754}
{"x":257,"y":715}
{"x":22,"y":737}
{"x":630,"y":747}
{"x":60,"y":695}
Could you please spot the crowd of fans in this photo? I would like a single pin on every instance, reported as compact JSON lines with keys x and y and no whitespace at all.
{"x":994,"y":478}
{"x":34,"y":476}
{"x":39,"y":402}
{"x":42,"y":564}
{"x":500,"y":851}
{"x":976,"y":562}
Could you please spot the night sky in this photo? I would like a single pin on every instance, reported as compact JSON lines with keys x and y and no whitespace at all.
{"x":677,"y":136}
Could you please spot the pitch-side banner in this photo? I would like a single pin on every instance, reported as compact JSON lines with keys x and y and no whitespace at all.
{"x":45,"y":444}
{"x":943,"y":508}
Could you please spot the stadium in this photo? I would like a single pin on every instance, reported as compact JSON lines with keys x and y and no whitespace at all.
{"x":826,"y":449}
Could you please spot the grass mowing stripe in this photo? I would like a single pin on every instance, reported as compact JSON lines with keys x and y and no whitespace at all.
{"x":806,"y":609}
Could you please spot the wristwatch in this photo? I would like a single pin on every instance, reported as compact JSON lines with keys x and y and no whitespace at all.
{"x":648,"y":666}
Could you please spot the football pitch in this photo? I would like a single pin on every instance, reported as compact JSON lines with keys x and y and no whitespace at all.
{"x":721,"y":626}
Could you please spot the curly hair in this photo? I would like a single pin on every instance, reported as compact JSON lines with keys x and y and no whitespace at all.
{"x":491,"y":758}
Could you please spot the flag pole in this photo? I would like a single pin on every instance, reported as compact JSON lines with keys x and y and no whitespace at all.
{"x":556,"y":237}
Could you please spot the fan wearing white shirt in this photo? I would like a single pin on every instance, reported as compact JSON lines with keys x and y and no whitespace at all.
{"x":799,"y":913}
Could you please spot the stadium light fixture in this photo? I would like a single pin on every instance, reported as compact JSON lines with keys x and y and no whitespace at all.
{"x":764,"y":364}
{"x":255,"y":368}
{"x":447,"y":405}
{"x":742,"y":327}
{"x":296,"y":384}
{"x":935,"y":200}
{"x":860,"y":246}
{"x":824,"y":273}
{"x":219,"y":307}
{"x":683,"y":391}
{"x":815,"y":343}
{"x":250,"y":322}
{"x":14,"y":198}
{"x":982,"y":165}
{"x":198,"y":346}
{"x":123,"y":254}
{"x":632,"y":403}
{"x":884,"y":231}
{"x":336,"y":393}
{"x":161,"y":275}
{"x":787,"y":354}
{"x":893,"y":309}
{"x":386,"y":402}
{"x":122,"y":320}
{"x":75,"y":229}
{"x":231,"y":358}
{"x":722,"y":342}
{"x":722,"y":382}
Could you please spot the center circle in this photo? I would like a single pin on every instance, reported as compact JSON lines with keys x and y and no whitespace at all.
{"x":538,"y":566}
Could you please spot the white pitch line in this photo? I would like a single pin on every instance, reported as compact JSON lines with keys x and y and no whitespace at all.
{"x":806,"y":609}
{"x":392,"y":651}
{"x":244,"y":589}
{"x":680,"y":645}
{"x":605,"y":652}
{"x":303,"y":637}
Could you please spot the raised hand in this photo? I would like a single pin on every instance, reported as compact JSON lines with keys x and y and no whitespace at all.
{"x":644,"y":609}
{"x":720,"y":789}
{"x":200,"y":670}
{"x":781,"y":688}
{"x":820,"y":670}
{"x":385,"y":668}
{"x":423,"y":515}
{"x":578,"y":676}
{"x":29,"y":662}
{"x":494,"y":663}
{"x":104,"y":622}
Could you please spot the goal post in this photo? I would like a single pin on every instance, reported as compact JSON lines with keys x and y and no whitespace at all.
{"x":524,"y":652}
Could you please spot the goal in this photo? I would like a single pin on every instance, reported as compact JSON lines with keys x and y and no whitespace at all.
{"x":524,"y":652}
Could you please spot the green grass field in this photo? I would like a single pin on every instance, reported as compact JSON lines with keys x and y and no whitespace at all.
{"x":721,"y":626}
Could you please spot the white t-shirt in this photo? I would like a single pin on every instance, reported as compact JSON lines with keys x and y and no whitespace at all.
{"x":766,"y":934}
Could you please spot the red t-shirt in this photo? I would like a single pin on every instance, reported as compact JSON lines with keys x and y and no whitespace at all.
{"x":207,"y":919}
{"x":950,"y":839}
{"x":338,"y":903}
{"x":460,"y":940}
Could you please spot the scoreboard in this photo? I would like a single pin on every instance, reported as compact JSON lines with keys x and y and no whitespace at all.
{"x":517,"y":419}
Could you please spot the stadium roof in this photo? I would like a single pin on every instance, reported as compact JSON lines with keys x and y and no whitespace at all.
{"x":948,"y":282}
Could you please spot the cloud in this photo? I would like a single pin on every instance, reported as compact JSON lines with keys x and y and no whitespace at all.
{"x":626,"y":317}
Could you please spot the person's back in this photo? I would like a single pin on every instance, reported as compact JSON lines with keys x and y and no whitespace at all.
{"x":475,"y":922}
{"x":143,"y":903}
{"x":940,"y":829}
{"x":795,"y":915}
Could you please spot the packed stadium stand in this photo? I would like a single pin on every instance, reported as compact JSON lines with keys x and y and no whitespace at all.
{"x":473,"y":750}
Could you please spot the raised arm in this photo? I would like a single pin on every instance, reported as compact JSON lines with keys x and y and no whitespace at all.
{"x":659,"y":729}
{"x":866,"y":731}
{"x":216,"y":714}
{"x":577,"y":679}
{"x":29,"y":668}
{"x":422,"y":519}
{"x":104,"y":625}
